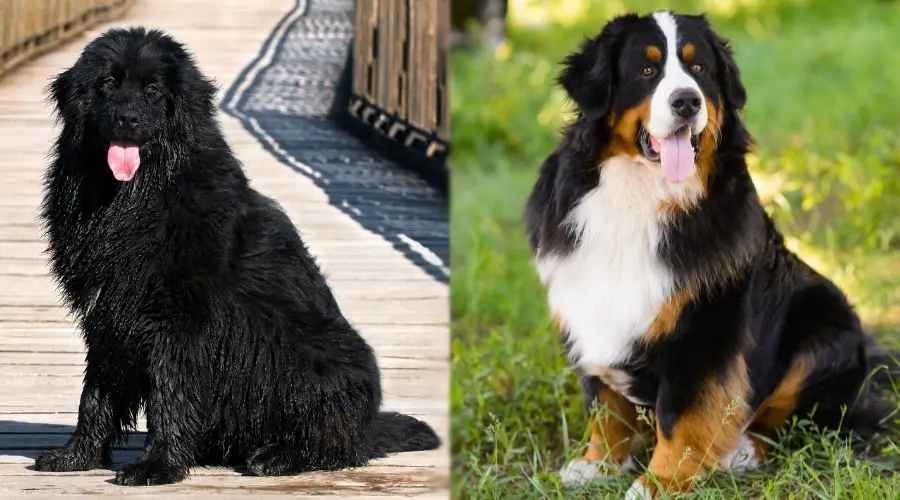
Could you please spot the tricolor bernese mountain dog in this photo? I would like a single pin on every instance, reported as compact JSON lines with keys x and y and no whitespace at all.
{"x":669,"y":284}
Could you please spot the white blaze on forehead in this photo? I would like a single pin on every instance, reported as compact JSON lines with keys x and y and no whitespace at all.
{"x":662,"y":119}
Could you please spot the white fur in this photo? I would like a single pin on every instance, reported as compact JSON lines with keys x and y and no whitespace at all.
{"x":662,"y":119}
{"x":580,"y":472}
{"x":742,"y":458}
{"x":608,"y":291}
{"x":617,"y":380}
{"x":638,"y":491}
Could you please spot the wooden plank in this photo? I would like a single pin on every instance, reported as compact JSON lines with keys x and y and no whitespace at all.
{"x":377,"y":313}
{"x":413,"y":347}
{"x":29,"y":445}
{"x":18,"y":464}
{"x":28,"y":290}
{"x":13,"y":358}
{"x":13,"y":330}
{"x":68,"y":403}
{"x":64,"y":423}
{"x":386,"y":481}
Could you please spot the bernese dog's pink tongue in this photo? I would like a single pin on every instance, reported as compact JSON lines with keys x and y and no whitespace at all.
{"x":676,"y":156}
{"x":124,"y":160}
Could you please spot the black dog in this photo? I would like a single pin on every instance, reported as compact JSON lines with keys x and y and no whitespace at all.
{"x":196,"y":297}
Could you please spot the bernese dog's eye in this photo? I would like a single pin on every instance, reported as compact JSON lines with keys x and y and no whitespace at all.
{"x":151,"y":89}
{"x":696,"y":69}
{"x":648,"y":70}
{"x":109,"y":82}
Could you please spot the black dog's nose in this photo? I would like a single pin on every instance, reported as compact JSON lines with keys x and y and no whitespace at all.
{"x":685,"y":102}
{"x":127,"y":118}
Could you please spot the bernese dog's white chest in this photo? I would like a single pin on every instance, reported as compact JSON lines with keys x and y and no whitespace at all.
{"x":609,"y":289}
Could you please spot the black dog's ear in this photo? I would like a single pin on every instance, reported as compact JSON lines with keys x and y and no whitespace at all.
{"x":729,"y":74}
{"x":59,"y":90}
{"x":587,"y":74}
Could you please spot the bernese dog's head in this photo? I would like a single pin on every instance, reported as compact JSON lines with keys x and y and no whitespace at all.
{"x":661,"y":87}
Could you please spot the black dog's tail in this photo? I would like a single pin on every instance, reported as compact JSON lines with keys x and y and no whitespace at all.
{"x":395,"y":433}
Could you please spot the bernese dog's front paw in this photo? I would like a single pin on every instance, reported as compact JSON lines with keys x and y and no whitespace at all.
{"x":743,"y":457}
{"x":579,"y":472}
{"x":640,"y":491}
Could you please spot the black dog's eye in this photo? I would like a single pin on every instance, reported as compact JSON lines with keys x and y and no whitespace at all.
{"x":151,"y":89}
{"x":109,"y":82}
{"x":648,"y":70}
{"x":696,"y":68}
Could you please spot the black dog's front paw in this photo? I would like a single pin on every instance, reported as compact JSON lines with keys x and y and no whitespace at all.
{"x":66,"y":460}
{"x":148,"y":473}
{"x":270,"y":461}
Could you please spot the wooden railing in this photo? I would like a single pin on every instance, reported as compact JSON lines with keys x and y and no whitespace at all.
{"x":29,"y":27}
{"x":400,"y":60}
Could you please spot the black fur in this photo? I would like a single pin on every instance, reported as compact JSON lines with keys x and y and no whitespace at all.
{"x":195,"y":295}
{"x":755,"y":297}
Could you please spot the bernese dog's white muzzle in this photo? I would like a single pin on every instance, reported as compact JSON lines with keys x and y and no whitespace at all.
{"x":678,"y":113}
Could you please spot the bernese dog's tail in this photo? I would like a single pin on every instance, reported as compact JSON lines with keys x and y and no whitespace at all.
{"x":395,"y":433}
{"x":884,"y":364}
{"x":877,"y":403}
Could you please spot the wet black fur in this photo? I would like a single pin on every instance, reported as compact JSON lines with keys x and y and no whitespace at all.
{"x":757,"y":298}
{"x":195,"y":295}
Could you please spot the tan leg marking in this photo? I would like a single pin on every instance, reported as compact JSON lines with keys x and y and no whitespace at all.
{"x":702,"y":435}
{"x":776,"y":409}
{"x":612,"y":430}
{"x":611,"y":434}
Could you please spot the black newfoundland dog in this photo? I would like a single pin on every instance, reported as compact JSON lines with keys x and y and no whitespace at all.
{"x":196,"y":297}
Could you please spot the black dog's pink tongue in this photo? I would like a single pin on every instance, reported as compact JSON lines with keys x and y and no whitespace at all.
{"x":124,"y":160}
{"x":676,"y":156}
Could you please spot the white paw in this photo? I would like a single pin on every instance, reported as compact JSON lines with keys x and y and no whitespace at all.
{"x":742,"y":458}
{"x":579,"y":472}
{"x":638,"y":491}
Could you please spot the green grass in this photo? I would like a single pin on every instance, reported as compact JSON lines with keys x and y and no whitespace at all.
{"x":821,"y":80}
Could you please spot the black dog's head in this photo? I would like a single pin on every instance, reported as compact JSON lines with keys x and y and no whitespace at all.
{"x":663,"y":83}
{"x":131,"y":94}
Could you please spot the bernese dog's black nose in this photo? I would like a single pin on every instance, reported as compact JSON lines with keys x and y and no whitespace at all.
{"x":685,"y":102}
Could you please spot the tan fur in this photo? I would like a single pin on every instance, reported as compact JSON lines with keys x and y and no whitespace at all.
{"x":702,"y":435}
{"x":613,"y":429}
{"x":668,"y":315}
{"x":776,"y":409}
{"x":709,"y":141}
{"x":625,"y":130}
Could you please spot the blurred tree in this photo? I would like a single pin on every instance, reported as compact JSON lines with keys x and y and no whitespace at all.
{"x":489,"y":15}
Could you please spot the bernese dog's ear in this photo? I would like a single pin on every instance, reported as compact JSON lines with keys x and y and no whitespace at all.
{"x":729,"y":74}
{"x":587,"y":74}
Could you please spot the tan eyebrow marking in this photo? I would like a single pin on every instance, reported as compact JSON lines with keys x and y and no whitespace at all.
{"x":653,"y":53}
{"x":688,"y":51}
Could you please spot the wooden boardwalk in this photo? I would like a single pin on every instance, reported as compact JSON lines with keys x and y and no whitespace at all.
{"x":401,"y":311}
